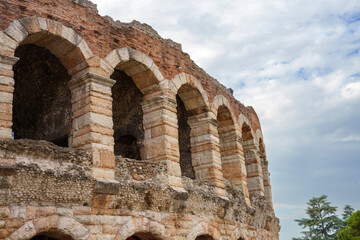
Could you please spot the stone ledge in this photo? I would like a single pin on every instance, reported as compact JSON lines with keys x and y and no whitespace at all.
{"x":105,"y":186}
{"x":44,"y":149}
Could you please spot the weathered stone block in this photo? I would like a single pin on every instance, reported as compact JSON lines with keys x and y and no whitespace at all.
{"x":106,"y":186}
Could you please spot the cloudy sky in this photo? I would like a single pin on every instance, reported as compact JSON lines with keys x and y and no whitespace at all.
{"x":298,"y":64}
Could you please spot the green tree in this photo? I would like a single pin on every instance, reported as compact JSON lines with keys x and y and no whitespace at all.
{"x":352,"y":230}
{"x":322,"y":223}
{"x":348,"y":211}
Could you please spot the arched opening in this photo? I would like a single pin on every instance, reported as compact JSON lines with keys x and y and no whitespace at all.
{"x":265,"y":171}
{"x":143,"y":236}
{"x":190,"y":104}
{"x":42,"y":99}
{"x":252,"y":161}
{"x":227,"y":138}
{"x":127,"y":116}
{"x":246,"y":132}
{"x":51,"y":236}
{"x":186,"y":166}
{"x":204,"y":237}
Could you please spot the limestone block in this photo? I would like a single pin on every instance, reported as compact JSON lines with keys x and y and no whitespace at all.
{"x":113,"y":58}
{"x":54,"y":27}
{"x":26,"y":232}
{"x":58,"y":46}
{"x":18,"y":212}
{"x":7,"y":41}
{"x":70,"y":35}
{"x":103,"y":173}
{"x":98,"y":87}
{"x":16,"y":31}
{"x":31,"y":24}
{"x":136,"y":55}
{"x":72,"y":228}
{"x":93,"y":118}
{"x":127,"y":230}
{"x":123,"y":54}
{"x":107,"y":159}
{"x":95,"y":229}
{"x":66,"y":212}
{"x":46,"y":224}
{"x":106,"y":186}
{"x":85,"y":50}
{"x":5,"y":133}
{"x":135,"y":70}
{"x":72,"y":58}
{"x":6,"y":108}
{"x":42,"y":24}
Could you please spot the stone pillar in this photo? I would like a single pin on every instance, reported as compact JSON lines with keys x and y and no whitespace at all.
{"x":92,"y":126}
{"x":161,"y":133}
{"x":6,"y":95}
{"x":253,"y":168}
{"x":232,"y":159}
{"x":205,"y":150}
{"x":266,"y":179}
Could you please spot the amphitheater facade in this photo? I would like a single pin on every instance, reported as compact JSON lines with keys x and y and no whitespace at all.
{"x":108,"y":131}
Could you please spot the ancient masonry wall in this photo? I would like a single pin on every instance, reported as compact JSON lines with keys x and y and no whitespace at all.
{"x":122,"y":89}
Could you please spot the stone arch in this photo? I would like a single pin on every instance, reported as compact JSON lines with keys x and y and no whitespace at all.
{"x":65,"y":50}
{"x":191,"y":92}
{"x":135,"y":74}
{"x":203,"y":229}
{"x":52,"y":224}
{"x":252,"y":158}
{"x":144,"y":228}
{"x":191,"y":100}
{"x":200,"y":138}
{"x":219,"y":101}
{"x":231,"y":152}
{"x":239,"y":234}
{"x":62,"y":41}
{"x":137,"y":65}
{"x":265,"y":169}
{"x":243,"y":119}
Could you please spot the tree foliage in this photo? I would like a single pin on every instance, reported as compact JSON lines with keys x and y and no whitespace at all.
{"x":322,"y":223}
{"x":348,"y":211}
{"x":352,"y":230}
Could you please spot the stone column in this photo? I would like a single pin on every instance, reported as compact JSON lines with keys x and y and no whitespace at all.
{"x":92,"y":127}
{"x":205,"y":150}
{"x":253,"y":168}
{"x":161,"y":133}
{"x":266,"y":179}
{"x":232,"y":159}
{"x":6,"y":95}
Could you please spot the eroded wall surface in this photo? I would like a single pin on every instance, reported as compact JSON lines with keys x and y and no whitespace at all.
{"x":46,"y":188}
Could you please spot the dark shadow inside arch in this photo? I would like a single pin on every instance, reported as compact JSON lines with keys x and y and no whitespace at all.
{"x":143,"y":236}
{"x":127,"y":116}
{"x":42,"y":98}
{"x":204,"y":237}
{"x":186,"y":166}
{"x":52,"y":236}
{"x":246,"y":132}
